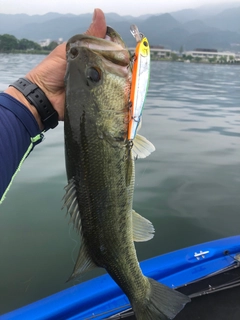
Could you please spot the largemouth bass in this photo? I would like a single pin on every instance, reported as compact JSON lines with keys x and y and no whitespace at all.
{"x":100,"y":172}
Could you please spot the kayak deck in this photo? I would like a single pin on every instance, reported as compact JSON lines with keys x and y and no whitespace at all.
{"x":197,"y":271}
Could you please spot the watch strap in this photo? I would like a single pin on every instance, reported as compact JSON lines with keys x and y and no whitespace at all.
{"x":39,"y":100}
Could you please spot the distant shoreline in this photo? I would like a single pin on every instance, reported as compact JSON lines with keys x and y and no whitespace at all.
{"x":153,"y":58}
{"x":46,"y":52}
{"x":193,"y":61}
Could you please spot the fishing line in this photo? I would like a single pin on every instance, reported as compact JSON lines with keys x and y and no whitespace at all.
{"x":123,"y":308}
{"x":28,"y":283}
{"x":142,"y":172}
{"x":70,"y":229}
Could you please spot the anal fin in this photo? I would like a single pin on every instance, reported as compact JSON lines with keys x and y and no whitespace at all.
{"x":143,"y":229}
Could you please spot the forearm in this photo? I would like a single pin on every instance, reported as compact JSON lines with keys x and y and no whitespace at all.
{"x":20,"y":122}
{"x":19,"y":132}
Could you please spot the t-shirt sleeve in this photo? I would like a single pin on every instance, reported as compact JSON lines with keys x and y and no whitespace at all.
{"x":19,"y":133}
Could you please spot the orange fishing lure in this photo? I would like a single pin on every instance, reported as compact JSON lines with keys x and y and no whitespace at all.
{"x":140,"y":80}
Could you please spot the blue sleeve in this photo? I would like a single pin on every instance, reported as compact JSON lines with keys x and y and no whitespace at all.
{"x":19,"y":133}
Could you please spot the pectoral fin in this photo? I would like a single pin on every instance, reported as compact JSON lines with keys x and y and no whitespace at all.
{"x":142,"y":148}
{"x":143,"y":229}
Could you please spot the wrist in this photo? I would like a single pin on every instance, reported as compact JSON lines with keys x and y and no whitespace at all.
{"x":38,"y":100}
{"x":20,"y":97}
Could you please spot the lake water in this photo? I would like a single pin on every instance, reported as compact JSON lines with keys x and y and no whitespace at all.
{"x":189,"y":187}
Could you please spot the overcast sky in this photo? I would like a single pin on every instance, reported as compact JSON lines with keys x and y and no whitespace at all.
{"x":122,"y":7}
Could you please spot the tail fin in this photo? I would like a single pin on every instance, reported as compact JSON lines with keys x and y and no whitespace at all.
{"x":162,"y":303}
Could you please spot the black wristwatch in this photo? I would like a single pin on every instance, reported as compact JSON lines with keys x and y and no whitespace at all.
{"x":38,"y":99}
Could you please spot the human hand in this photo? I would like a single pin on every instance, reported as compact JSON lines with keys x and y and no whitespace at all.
{"x":49,"y":74}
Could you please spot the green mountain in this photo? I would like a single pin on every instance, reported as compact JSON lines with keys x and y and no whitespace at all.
{"x":203,"y":12}
{"x":205,"y":27}
{"x":227,"y":20}
{"x":12,"y":22}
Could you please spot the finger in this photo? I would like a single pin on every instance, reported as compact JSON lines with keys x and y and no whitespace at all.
{"x":98,"y":26}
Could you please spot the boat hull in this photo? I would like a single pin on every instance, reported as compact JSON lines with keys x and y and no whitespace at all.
{"x":209,"y":273}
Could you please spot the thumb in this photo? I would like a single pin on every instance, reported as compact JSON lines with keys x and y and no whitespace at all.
{"x":98,"y":26}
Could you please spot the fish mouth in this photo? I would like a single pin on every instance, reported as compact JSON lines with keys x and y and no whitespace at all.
{"x":112,"y":47}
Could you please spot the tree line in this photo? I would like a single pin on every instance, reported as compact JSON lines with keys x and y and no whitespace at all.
{"x":9,"y":43}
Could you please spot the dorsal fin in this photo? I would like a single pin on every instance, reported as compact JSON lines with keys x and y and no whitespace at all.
{"x":84,"y":263}
{"x":71,"y":202}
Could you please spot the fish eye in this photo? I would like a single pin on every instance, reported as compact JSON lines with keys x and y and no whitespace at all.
{"x":93,"y":74}
{"x":73,"y":53}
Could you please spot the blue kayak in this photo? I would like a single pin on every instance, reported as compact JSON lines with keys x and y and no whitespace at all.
{"x":197,"y":271}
